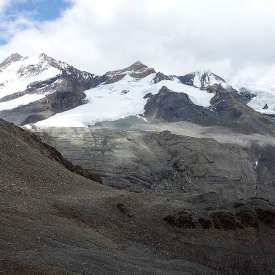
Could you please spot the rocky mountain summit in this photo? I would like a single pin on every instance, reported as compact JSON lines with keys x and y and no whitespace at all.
{"x":137,"y":70}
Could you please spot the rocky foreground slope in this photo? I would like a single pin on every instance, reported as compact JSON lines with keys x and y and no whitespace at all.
{"x":53,"y":221}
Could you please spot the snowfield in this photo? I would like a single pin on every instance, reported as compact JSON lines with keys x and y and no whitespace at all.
{"x":262,"y":98}
{"x":109,"y":102}
{"x":261,"y":84}
{"x":20,"y":101}
{"x":18,"y":75}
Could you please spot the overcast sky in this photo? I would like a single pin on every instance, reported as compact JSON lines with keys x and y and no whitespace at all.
{"x":233,"y":38}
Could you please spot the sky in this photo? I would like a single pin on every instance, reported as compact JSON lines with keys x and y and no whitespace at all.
{"x":233,"y":38}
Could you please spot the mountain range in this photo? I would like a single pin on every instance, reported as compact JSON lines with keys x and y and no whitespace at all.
{"x":99,"y":122}
{"x":35,"y":89}
{"x":133,"y":172}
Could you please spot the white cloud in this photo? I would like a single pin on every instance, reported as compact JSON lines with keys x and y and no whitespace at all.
{"x":3,"y":4}
{"x":175,"y":36}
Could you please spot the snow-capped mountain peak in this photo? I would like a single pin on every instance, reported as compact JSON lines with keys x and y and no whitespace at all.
{"x":34,"y":65}
{"x":202,"y":79}
{"x":18,"y":72}
{"x":11,"y":59}
{"x":44,"y":58}
{"x":44,"y":82}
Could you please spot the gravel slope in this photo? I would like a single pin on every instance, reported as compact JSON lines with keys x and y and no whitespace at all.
{"x":53,"y":221}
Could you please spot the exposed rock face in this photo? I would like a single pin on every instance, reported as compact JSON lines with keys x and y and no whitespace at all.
{"x":265,"y":107}
{"x":181,"y":219}
{"x":227,"y":110}
{"x":246,"y":95}
{"x":170,"y":106}
{"x":136,"y":70}
{"x":160,"y":77}
{"x":202,"y":80}
{"x":237,"y":115}
{"x":240,"y":215}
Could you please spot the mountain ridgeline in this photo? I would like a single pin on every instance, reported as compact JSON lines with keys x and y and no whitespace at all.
{"x":33,"y":89}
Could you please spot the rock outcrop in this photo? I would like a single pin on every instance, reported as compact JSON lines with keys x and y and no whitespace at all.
{"x":227,"y":109}
{"x":137,"y":70}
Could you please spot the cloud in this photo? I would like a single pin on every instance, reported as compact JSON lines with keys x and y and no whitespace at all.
{"x":175,"y":36}
{"x":3,"y":3}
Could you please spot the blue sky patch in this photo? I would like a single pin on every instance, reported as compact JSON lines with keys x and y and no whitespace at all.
{"x":38,"y":10}
{"x":3,"y":40}
{"x":34,"y":10}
